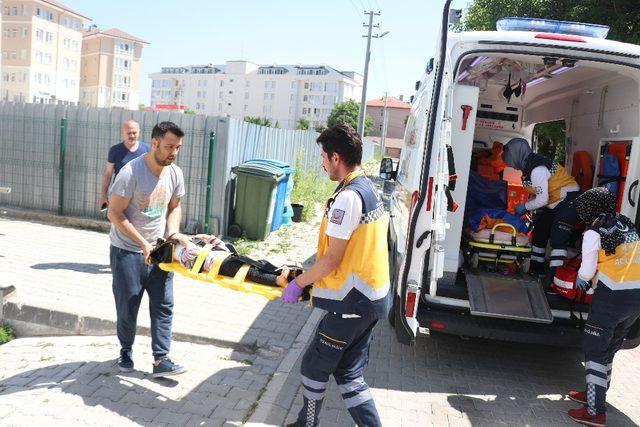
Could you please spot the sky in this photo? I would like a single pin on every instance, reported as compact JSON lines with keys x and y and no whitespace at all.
{"x":329,"y":33}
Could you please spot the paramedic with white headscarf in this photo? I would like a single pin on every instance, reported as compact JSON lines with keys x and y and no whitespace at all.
{"x":552,"y":193}
{"x":611,"y":264}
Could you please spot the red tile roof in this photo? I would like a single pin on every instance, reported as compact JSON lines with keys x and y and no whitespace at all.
{"x":391,"y":103}
{"x":64,"y":7}
{"x":113,"y":32}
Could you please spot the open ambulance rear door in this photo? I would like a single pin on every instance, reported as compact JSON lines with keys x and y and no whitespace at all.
{"x":427,"y":221}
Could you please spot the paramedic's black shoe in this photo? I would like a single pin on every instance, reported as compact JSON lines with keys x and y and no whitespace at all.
{"x":578,"y":396}
{"x":125,"y":363}
{"x":166,"y":368}
{"x":296,"y":424}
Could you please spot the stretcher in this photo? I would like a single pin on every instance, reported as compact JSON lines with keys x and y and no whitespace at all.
{"x":164,"y":252}
{"x":496,"y":246}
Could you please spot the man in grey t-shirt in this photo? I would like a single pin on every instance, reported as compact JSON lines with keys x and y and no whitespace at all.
{"x":144,"y":205}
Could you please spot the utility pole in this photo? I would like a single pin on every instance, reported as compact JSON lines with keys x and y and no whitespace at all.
{"x":384,"y":125}
{"x":363,"y":101}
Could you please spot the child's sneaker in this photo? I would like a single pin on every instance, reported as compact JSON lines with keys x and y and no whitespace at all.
{"x":125,"y":363}
{"x":167,"y":368}
{"x":578,"y":396}
{"x":582,"y":416}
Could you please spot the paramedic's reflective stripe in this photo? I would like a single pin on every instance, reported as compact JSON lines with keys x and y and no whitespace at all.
{"x":593,"y":379}
{"x":353,"y":282}
{"x":558,"y":252}
{"x":617,"y":286}
{"x":312,"y":389}
{"x":352,"y":386}
{"x":537,"y":253}
{"x":595,"y":366}
{"x":557,"y":257}
{"x":562,"y":283}
{"x":358,"y":399}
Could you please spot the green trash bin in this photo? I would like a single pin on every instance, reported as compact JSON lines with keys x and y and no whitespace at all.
{"x":256,"y":190}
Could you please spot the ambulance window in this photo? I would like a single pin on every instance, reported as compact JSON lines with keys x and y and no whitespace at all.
{"x":549,"y":140}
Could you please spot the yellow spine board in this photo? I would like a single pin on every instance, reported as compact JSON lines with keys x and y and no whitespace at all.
{"x":237,"y":283}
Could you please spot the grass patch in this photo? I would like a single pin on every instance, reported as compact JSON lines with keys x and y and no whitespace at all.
{"x":310,"y":187}
{"x":244,"y":246}
{"x":6,"y":334}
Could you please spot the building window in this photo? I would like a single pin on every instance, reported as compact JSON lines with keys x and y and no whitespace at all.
{"x":14,"y":32}
{"x":294,"y":84}
{"x":247,"y":83}
{"x":48,"y":58}
{"x":25,"y":32}
{"x":246,"y":95}
{"x":39,"y":35}
{"x":49,"y":37}
{"x":291,"y":97}
{"x":23,"y":53}
{"x":246,"y":108}
{"x":330,"y":87}
{"x":38,"y":56}
{"x":221,"y":84}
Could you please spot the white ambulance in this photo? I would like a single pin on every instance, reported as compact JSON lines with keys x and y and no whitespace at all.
{"x":554,"y":71}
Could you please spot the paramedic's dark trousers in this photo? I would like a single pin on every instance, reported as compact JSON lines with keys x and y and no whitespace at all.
{"x":340,"y":347}
{"x":131,"y":277}
{"x":611,"y":315}
{"x":554,"y":226}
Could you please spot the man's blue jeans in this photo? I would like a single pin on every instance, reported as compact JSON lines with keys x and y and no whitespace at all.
{"x":131,"y":277}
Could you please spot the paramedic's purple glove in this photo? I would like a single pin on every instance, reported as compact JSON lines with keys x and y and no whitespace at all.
{"x":291,"y":293}
{"x":520,"y":210}
{"x":583,"y":284}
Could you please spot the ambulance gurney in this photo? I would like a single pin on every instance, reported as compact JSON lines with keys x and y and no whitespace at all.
{"x":495,"y":236}
{"x":223,"y":266}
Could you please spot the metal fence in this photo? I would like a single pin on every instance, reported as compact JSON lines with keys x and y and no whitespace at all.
{"x":31,"y":149}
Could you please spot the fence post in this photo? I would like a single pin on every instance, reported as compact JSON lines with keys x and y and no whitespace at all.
{"x":63,"y":150}
{"x":207,"y":207}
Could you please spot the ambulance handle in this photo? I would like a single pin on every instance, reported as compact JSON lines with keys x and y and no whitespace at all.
{"x":631,"y":187}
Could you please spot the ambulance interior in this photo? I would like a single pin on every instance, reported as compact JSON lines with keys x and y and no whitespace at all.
{"x":497,"y":98}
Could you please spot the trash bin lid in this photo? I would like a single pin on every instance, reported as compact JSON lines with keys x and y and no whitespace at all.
{"x":284,"y":166}
{"x":260,"y":169}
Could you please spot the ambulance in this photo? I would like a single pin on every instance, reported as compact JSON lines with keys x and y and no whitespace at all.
{"x":483,"y":87}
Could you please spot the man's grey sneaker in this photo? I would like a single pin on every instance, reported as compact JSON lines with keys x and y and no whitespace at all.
{"x":125,"y":363}
{"x":167,"y":368}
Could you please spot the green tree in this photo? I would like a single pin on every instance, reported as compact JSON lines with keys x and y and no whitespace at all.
{"x":262,"y":121}
{"x":622,"y":16}
{"x":277,"y":125}
{"x":189,"y":111}
{"x":320,"y":128}
{"x":303,"y":124}
{"x":347,"y":112}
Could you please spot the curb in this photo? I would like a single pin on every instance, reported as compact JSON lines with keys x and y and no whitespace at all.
{"x":274,"y":404}
{"x":29,"y":320}
{"x":50,"y":218}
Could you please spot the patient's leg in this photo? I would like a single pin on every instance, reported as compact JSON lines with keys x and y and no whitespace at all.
{"x":231,"y":265}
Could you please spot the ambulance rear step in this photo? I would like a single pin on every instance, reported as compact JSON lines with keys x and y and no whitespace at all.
{"x":517,"y":298}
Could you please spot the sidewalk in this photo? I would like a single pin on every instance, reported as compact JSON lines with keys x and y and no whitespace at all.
{"x":62,"y":279}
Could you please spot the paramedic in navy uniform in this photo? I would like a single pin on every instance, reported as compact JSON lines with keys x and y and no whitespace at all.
{"x":350,"y":281}
{"x":611,"y":264}
{"x":554,"y":192}
{"x":121,"y":154}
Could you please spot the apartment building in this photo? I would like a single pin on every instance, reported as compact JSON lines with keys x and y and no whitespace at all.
{"x":281,"y":93}
{"x":397,"y":113}
{"x":110,"y":69}
{"x":41,"y":44}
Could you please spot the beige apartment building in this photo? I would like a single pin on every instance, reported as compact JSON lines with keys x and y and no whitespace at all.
{"x":41,"y":45}
{"x":110,"y":69}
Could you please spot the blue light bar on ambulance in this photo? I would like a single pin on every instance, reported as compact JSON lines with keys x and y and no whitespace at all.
{"x":551,"y":26}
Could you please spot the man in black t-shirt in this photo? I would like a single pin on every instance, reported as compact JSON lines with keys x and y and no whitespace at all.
{"x":121,"y":154}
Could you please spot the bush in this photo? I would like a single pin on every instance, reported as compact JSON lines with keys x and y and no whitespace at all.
{"x":6,"y":334}
{"x":310,"y":187}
